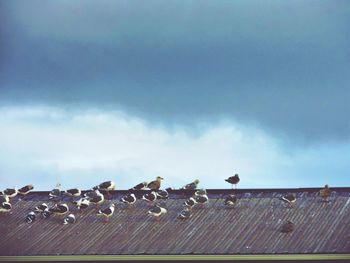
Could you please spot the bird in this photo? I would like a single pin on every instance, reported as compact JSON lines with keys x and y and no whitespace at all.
{"x":200,"y":192}
{"x":152,"y":196}
{"x":4,"y":198}
{"x":157,"y":211}
{"x":162,"y":194}
{"x":73,"y":192}
{"x":155,"y":185}
{"x":98,"y":198}
{"x":56,"y":192}
{"x":70,"y":219}
{"x":325,"y":193}
{"x":140,"y":186}
{"x":90,"y":194}
{"x":59,"y":209}
{"x":230,"y":200}
{"x":25,"y":189}
{"x":289,"y":199}
{"x":30,"y":218}
{"x":190,"y":202}
{"x":202,"y":199}
{"x":129,"y":199}
{"x":11,"y":192}
{"x":47,"y":213}
{"x":82,"y":203}
{"x":105,"y":187}
{"x":185,"y":214}
{"x":40,"y":208}
{"x":5,"y":207}
{"x":191,"y":186}
{"x":233,"y":180}
{"x":107,"y":212}
{"x":287,"y":227}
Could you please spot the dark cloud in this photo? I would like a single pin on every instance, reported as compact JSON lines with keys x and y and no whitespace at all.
{"x":284,"y":66}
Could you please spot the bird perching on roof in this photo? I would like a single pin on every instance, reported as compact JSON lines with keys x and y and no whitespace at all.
{"x":56,"y":192}
{"x":287,"y":227}
{"x":290,"y":199}
{"x":5,"y":207}
{"x":74,"y":192}
{"x":155,"y":185}
{"x":70,"y":219}
{"x":128,"y":199}
{"x":185,"y":214}
{"x":97,"y":199}
{"x":4,"y":198}
{"x":191,"y":186}
{"x":11,"y":192}
{"x":325,"y":193}
{"x":30,"y":218}
{"x":25,"y":190}
{"x":140,"y":186}
{"x":157,"y":211}
{"x":230,"y":200}
{"x":150,"y":197}
{"x":105,"y":187}
{"x":233,"y":180}
{"x":191,"y":202}
{"x":162,"y":194}
{"x":107,"y":212}
{"x":82,"y":203}
{"x":59,"y":209}
{"x":40,"y":208}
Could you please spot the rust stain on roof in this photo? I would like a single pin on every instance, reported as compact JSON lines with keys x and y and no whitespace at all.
{"x":251,"y":227}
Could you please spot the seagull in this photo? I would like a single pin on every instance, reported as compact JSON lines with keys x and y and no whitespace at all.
{"x":98,"y":198}
{"x":185,"y":214}
{"x":40,"y":208}
{"x":287,"y":227}
{"x":162,"y":194}
{"x":30,"y":218}
{"x":202,"y":199}
{"x":190,"y":202}
{"x":152,"y":196}
{"x":55,"y":192}
{"x":230,"y":200}
{"x":59,"y":209}
{"x":191,"y":186}
{"x":157,"y":211}
{"x":140,"y":186}
{"x":107,"y":212}
{"x":325,"y":193}
{"x":47,"y":213}
{"x":11,"y":192}
{"x":289,"y":199}
{"x":90,"y":194}
{"x":5,"y":207}
{"x":105,"y":186}
{"x":82,"y":203}
{"x":70,"y":219}
{"x":25,"y":189}
{"x":200,"y":192}
{"x":4,"y":199}
{"x":234,"y":180}
{"x":155,"y":185}
{"x":129,"y":199}
{"x":73,"y":192}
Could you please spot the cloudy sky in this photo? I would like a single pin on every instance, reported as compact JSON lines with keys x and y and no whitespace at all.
{"x":129,"y":90}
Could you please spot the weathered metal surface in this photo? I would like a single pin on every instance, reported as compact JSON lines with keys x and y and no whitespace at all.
{"x":251,"y":227}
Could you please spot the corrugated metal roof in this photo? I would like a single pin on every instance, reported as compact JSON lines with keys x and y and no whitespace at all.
{"x":251,"y":227}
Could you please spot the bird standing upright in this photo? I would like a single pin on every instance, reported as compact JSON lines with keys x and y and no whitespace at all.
{"x":233,"y":180}
{"x":325,"y":193}
{"x":191,"y":186}
{"x":155,"y":185}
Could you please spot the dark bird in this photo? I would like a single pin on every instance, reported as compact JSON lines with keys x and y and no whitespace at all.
{"x":4,"y":199}
{"x":191,"y":186}
{"x":190,"y":202}
{"x":47,"y":213}
{"x":202,"y":199}
{"x":287,"y":227}
{"x":90,"y":194}
{"x":30,"y":218}
{"x":152,"y":196}
{"x":40,"y":208}
{"x":97,"y":199}
{"x":230,"y":200}
{"x":70,"y":219}
{"x":185,"y":214}
{"x":157,"y":211}
{"x":105,"y":187}
{"x":25,"y":190}
{"x":289,"y":199}
{"x":140,"y":186}
{"x":233,"y":180}
{"x":155,"y":185}
{"x":200,"y":192}
{"x":56,"y":192}
{"x":73,"y":192}
{"x":107,"y":212}
{"x":59,"y":209}
{"x":82,"y":203}
{"x":162,"y":194}
{"x":11,"y":192}
{"x":129,"y":199}
{"x":325,"y":193}
{"x":5,"y":207}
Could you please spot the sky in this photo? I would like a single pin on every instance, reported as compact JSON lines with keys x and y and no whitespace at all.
{"x":130,"y":90}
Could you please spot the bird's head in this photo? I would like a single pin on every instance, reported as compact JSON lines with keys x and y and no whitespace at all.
{"x":196,"y":181}
{"x":159,"y":178}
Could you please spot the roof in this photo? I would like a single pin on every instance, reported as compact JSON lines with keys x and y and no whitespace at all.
{"x":251,"y":227}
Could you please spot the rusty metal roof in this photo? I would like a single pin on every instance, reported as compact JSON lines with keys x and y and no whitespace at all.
{"x":251,"y":227}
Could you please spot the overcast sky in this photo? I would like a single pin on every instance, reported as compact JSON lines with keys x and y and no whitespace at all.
{"x":129,"y":90}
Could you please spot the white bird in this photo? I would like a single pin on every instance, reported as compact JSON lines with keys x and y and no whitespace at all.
{"x":82,"y":203}
{"x":30,"y":218}
{"x":70,"y":219}
{"x":5,"y":207}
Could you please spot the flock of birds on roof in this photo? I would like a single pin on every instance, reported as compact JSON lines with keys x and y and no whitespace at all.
{"x":96,"y":197}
